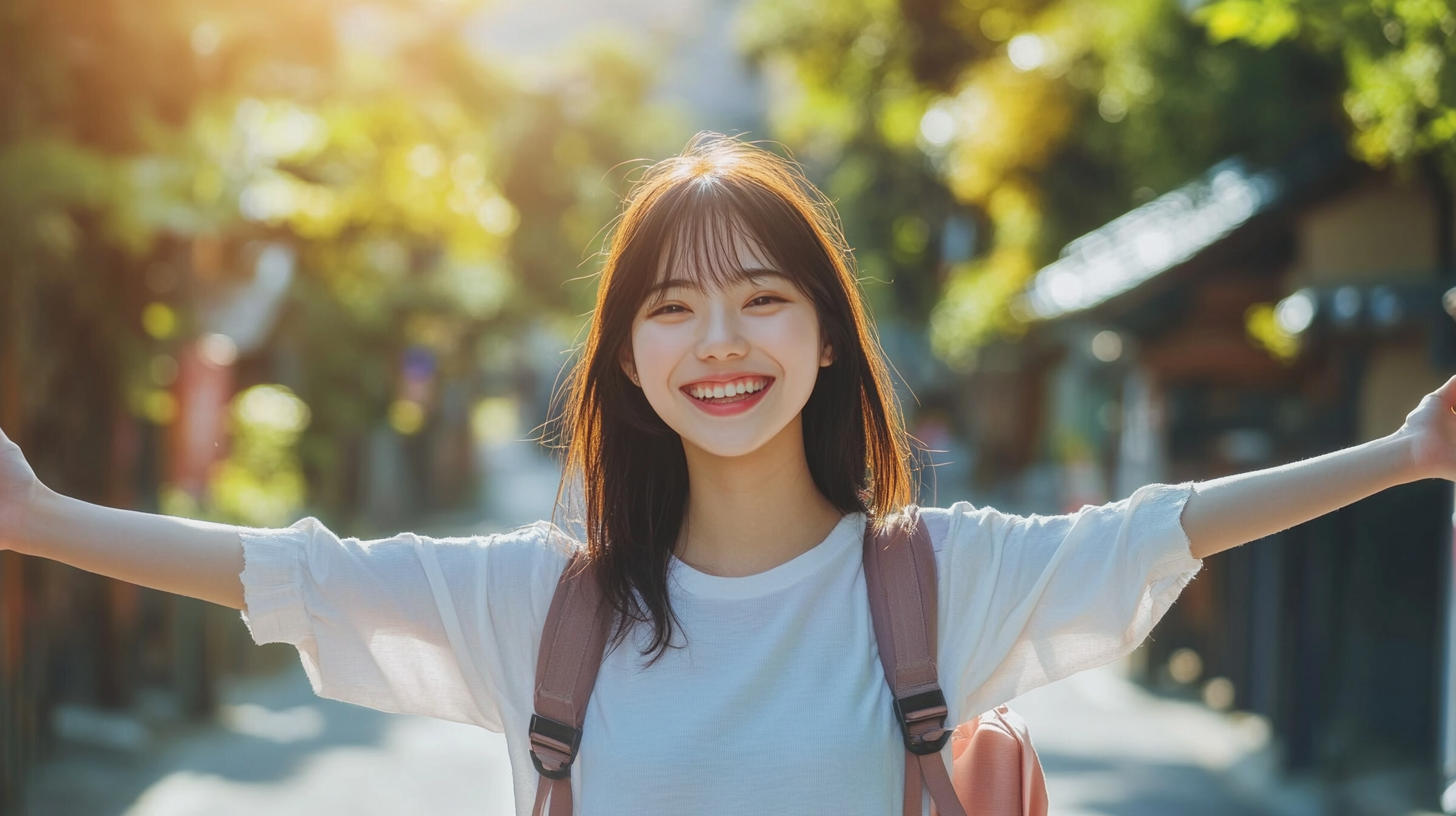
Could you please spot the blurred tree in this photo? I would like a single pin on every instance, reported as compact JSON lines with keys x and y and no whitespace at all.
{"x":432,"y":197}
{"x":152,"y":157}
{"x":1045,"y":117}
{"x":846,"y":102}
{"x":1398,"y":90}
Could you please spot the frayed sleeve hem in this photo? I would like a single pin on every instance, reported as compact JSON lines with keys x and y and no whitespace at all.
{"x":1172,"y":553}
{"x":273,"y":607}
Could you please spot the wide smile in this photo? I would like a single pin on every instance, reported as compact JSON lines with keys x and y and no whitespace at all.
{"x":726,"y":399}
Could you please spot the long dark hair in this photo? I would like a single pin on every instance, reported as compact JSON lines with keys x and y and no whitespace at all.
{"x":629,"y":464}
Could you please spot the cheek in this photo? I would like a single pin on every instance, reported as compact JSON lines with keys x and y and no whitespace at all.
{"x":795,"y":341}
{"x":656,"y":349}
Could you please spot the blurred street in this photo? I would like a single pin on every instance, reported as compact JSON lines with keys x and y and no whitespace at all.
{"x":284,"y":751}
{"x":1108,"y":746}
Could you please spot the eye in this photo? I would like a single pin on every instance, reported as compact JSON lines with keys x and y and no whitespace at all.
{"x":664,"y":309}
{"x":767,"y":298}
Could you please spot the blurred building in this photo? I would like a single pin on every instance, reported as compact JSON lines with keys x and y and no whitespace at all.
{"x":1251,"y":318}
{"x":91,"y":661}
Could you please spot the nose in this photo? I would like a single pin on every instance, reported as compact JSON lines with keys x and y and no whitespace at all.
{"x":721,"y":338}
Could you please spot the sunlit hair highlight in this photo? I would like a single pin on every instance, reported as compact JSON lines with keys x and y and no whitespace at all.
{"x":627,"y":463}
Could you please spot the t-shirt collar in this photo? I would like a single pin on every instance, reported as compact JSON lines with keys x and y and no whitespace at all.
{"x":847,"y":534}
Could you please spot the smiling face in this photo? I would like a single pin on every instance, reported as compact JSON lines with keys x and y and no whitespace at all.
{"x":727,"y":359}
{"x":633,"y":450}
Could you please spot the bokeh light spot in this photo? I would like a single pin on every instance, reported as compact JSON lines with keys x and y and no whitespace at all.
{"x":406,"y":417}
{"x":1107,"y":346}
{"x":218,"y":349}
{"x":1027,"y":52}
{"x":937,"y":126}
{"x":274,"y":407}
{"x":497,"y":216}
{"x":1185,"y":665}
{"x":495,"y":419}
{"x":159,"y":321}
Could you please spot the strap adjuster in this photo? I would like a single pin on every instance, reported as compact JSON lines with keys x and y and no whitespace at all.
{"x":920,"y":708}
{"x":557,"y":737}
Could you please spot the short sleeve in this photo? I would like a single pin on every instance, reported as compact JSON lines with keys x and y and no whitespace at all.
{"x":407,"y":624}
{"x":1027,"y":600}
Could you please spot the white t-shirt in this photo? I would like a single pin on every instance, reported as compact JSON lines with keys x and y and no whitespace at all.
{"x":777,"y":703}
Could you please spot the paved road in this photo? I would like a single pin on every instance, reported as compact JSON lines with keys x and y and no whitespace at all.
{"x":282,"y":751}
{"x":1109,"y":748}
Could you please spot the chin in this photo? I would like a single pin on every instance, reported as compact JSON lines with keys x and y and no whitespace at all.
{"x":724,"y":448}
{"x":727,"y":444}
{"x":752,"y":434}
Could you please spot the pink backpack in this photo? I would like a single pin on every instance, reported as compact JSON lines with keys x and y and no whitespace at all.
{"x":995,"y":770}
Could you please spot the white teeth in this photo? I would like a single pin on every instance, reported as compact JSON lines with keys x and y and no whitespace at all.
{"x":732,"y":389}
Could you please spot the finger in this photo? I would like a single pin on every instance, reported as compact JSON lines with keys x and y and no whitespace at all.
{"x":1447,"y":393}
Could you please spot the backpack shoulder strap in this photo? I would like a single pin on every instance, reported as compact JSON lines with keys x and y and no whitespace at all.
{"x":572,"y":643}
{"x":900,"y":572}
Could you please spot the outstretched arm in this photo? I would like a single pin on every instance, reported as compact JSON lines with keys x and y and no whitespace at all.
{"x":194,"y":558}
{"x":1234,"y":510}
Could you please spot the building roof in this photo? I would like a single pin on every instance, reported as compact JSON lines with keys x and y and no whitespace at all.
{"x":1142,"y":244}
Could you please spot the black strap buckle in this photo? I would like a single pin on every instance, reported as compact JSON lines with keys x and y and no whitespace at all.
{"x":556,"y":732}
{"x":927,"y":705}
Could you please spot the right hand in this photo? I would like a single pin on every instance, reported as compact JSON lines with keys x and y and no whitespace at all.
{"x":18,"y":489}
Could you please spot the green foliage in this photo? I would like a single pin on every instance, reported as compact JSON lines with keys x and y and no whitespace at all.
{"x":260,"y":483}
{"x":432,"y":197}
{"x":845,"y":99}
{"x":1399,"y":92}
{"x":1047,"y":118}
{"x":1256,"y":22}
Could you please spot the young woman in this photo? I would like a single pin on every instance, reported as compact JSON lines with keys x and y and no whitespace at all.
{"x":731,"y":430}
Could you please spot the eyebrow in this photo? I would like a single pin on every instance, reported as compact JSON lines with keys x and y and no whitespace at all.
{"x":754,"y":274}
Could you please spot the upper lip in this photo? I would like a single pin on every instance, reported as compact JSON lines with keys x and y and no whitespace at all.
{"x":724,"y":379}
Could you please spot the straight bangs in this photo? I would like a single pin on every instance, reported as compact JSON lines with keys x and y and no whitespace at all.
{"x":702,"y":243}
{"x":694,"y":235}
{"x":684,"y":223}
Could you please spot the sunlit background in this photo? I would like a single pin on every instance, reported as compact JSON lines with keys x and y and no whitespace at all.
{"x":264,"y":259}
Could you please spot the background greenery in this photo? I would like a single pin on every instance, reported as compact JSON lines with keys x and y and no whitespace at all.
{"x":441,"y":202}
{"x":1048,"y":118}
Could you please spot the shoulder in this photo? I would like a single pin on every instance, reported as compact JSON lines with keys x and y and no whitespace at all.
{"x":523,"y":560}
{"x":957,"y":522}
{"x":514,"y":572}
{"x":539,"y":539}
{"x":538,"y":545}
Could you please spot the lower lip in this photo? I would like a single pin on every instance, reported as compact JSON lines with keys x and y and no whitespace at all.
{"x":731,"y":408}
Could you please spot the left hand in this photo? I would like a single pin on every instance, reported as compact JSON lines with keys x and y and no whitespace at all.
{"x":19,"y":490}
{"x":1430,"y":432}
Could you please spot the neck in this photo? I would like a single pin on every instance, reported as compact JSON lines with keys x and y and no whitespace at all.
{"x":747,"y":514}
